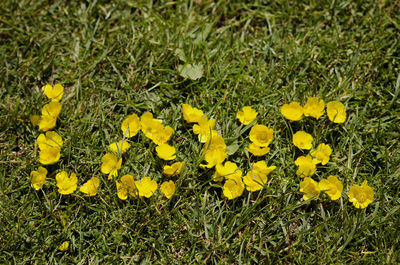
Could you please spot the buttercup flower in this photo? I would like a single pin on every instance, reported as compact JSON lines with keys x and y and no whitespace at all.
{"x":50,"y":139}
{"x":321,"y":154}
{"x":90,"y":187}
{"x":332,"y":186}
{"x":336,"y":111}
{"x":215,"y":151}
{"x":146,"y":187}
{"x":161,"y":134}
{"x":310,"y":188}
{"x":258,"y":176}
{"x":204,"y":128}
{"x":34,"y":119}
{"x":150,"y":125}
{"x":131,"y":125}
{"x":214,"y":157}
{"x":191,"y":114}
{"x":50,"y":113}
{"x":222,"y":171}
{"x":233,"y":187}
{"x":49,"y":155}
{"x":52,"y":109}
{"x":38,"y":178}
{"x":261,"y":135}
{"x":64,"y":246}
{"x":306,"y":166}
{"x":302,"y":140}
{"x":168,"y":188}
{"x":66,"y":185}
{"x":127,"y":185}
{"x":257,"y":150}
{"x":166,"y":152}
{"x":174,"y":169}
{"x":314,"y":107}
{"x":110,"y":165}
{"x":54,"y":93}
{"x":119,"y":147}
{"x":246,"y":115}
{"x":292,"y":111}
{"x":361,"y":196}
{"x":47,"y":123}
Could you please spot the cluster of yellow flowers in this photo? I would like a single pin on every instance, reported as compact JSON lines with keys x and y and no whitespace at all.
{"x":50,"y":145}
{"x":159,"y":135}
{"x":232,"y":180}
{"x":315,"y":108}
{"x":360,"y":196}
{"x":215,"y":153}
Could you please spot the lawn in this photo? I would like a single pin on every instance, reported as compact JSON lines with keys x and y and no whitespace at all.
{"x":132,"y":57}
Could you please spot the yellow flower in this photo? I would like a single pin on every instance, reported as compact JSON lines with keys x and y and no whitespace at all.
{"x":64,"y":246}
{"x":314,"y":107}
{"x":233,"y":187}
{"x":204,"y":128}
{"x":310,"y":189}
{"x":332,"y":186}
{"x":321,"y":154}
{"x":110,"y":165}
{"x":161,"y":134}
{"x":361,"y":196}
{"x":66,"y":185}
{"x":168,"y":188}
{"x":50,"y":113}
{"x":292,"y":111}
{"x":131,"y":126}
{"x":174,"y":169}
{"x":261,"y":135}
{"x":52,"y":109}
{"x":258,"y":176}
{"x":50,"y":139}
{"x":225,"y":170}
{"x":127,"y":185}
{"x":149,"y":125}
{"x":336,"y":111}
{"x":257,"y":150}
{"x":247,"y":115}
{"x":215,"y":151}
{"x":47,"y":123}
{"x":49,"y":155}
{"x":54,"y":93}
{"x":38,"y":178}
{"x":214,"y":157}
{"x":35,"y":119}
{"x":146,"y":187}
{"x":90,"y":187}
{"x":306,"y":166}
{"x":119,"y":147}
{"x":302,"y":140}
{"x":166,"y":152}
{"x":191,"y":114}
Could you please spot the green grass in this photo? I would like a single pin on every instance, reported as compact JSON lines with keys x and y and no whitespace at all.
{"x":122,"y":58}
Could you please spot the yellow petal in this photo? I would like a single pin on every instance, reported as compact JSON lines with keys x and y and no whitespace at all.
{"x":292,"y":111}
{"x":166,"y":152}
{"x":168,"y":188}
{"x":64,"y":246}
{"x":38,"y":178}
{"x":49,"y":155}
{"x":90,"y":187}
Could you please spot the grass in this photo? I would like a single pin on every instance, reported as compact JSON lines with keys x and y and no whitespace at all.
{"x":122,"y":58}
